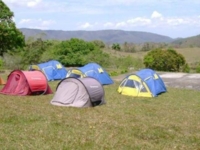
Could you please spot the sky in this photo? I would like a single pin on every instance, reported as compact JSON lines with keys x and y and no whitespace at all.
{"x":173,"y":18}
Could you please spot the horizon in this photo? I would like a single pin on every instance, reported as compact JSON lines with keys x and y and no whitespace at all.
{"x":174,"y":19}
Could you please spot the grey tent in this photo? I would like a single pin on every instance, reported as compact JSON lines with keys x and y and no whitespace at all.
{"x":79,"y":92}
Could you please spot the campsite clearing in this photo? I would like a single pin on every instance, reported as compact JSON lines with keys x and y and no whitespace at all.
{"x":169,"y":121}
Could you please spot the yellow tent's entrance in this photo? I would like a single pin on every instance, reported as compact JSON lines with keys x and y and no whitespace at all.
{"x":133,"y":86}
{"x":75,"y":73}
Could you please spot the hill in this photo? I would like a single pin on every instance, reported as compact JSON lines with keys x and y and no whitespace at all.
{"x":187,"y":42}
{"x":107,"y":36}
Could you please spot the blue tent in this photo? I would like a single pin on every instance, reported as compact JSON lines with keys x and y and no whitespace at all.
{"x":152,"y":80}
{"x":91,"y":70}
{"x":52,"y":69}
{"x":144,"y":83}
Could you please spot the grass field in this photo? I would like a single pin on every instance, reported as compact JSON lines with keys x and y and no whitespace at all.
{"x":192,"y":55}
{"x":170,"y":121}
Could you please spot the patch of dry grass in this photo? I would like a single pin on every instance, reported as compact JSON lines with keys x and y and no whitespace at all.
{"x":191,"y":55}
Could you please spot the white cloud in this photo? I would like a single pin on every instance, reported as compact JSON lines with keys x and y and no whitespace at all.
{"x":24,"y":21}
{"x":139,"y":21}
{"x":33,"y":3}
{"x":23,"y":3}
{"x":86,"y":25}
{"x":156,"y":14}
{"x":121,"y":24}
{"x":39,"y":23}
{"x":108,"y":24}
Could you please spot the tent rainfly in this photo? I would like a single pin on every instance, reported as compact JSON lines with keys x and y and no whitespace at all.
{"x":79,"y":92}
{"x":52,"y":69}
{"x":145,"y":83}
{"x":91,"y":70}
{"x":26,"y":83}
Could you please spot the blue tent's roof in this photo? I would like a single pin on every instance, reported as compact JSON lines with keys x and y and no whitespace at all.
{"x":53,"y":70}
{"x":153,"y":81}
{"x":96,"y":71}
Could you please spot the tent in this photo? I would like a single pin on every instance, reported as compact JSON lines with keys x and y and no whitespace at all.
{"x":144,"y":83}
{"x":2,"y":81}
{"x":52,"y":69}
{"x":79,"y":92}
{"x":26,"y":83}
{"x":91,"y":70}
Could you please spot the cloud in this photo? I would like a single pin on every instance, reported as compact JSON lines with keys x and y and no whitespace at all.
{"x":108,"y":25}
{"x":33,"y":3}
{"x":39,"y":23}
{"x":86,"y":25}
{"x":156,"y":14}
{"x":23,"y":3}
{"x":139,"y":21}
{"x":120,"y":24}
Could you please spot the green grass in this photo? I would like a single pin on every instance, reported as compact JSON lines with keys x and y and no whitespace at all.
{"x":170,"y":121}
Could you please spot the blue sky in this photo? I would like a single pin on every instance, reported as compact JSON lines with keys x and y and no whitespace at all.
{"x":173,"y":18}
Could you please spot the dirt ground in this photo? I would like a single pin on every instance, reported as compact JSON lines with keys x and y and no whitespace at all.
{"x":176,"y":80}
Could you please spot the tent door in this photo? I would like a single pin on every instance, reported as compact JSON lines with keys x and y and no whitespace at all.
{"x":50,"y":72}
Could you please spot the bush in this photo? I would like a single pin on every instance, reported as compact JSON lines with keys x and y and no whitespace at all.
{"x":198,"y":68}
{"x":186,"y":68}
{"x":165,"y":60}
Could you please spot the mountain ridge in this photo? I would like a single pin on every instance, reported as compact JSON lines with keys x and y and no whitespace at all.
{"x":107,"y":36}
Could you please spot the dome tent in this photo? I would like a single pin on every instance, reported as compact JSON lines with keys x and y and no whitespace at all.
{"x":91,"y":70}
{"x":144,"y":83}
{"x":52,"y":69}
{"x":79,"y":92}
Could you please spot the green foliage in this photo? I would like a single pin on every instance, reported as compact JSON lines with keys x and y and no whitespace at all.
{"x":186,"y":68}
{"x":164,"y":60}
{"x":10,"y":36}
{"x":1,"y":63}
{"x":99,"y":43}
{"x":147,"y":47}
{"x":13,"y":61}
{"x":77,"y":52}
{"x":198,"y":68}
{"x":33,"y":52}
{"x":116,"y":47}
{"x":127,"y":47}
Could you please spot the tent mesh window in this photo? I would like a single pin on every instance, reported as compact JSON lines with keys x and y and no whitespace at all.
{"x":130,"y":83}
{"x":75,"y":75}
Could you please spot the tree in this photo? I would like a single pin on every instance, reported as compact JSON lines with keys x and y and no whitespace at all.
{"x":10,"y":36}
{"x":77,"y":52}
{"x":32,"y":53}
{"x":99,"y":43}
{"x":116,"y":46}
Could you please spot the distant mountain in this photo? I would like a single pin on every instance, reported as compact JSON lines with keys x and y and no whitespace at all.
{"x":187,"y":42}
{"x":107,"y":36}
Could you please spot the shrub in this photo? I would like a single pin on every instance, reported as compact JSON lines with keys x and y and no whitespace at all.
{"x":198,"y":68}
{"x":165,"y":60}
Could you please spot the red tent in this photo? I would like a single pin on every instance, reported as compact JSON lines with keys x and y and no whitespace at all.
{"x":26,"y":83}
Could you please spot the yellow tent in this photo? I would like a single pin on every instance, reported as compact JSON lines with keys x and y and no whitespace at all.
{"x":75,"y":73}
{"x":144,"y":83}
{"x":134,"y":86}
